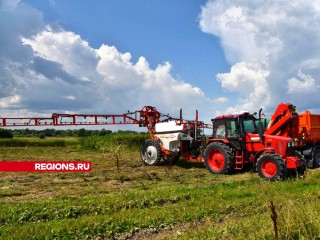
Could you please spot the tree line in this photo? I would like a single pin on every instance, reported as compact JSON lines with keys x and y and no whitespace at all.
{"x":50,"y":132}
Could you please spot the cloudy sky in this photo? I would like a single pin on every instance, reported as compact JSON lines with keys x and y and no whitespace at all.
{"x":221,"y":56}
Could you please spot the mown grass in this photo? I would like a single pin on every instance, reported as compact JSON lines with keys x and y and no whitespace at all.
{"x":123,"y":199}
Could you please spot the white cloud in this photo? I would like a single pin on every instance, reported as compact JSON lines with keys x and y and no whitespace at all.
{"x":70,"y":97}
{"x":245,"y":77}
{"x":115,"y":81}
{"x":248,"y":79}
{"x":303,"y":84}
{"x":62,"y":47}
{"x":274,"y":48}
{"x":221,"y":100}
{"x":11,"y":101}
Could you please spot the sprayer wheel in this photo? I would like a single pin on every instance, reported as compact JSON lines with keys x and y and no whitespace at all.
{"x":150,"y":152}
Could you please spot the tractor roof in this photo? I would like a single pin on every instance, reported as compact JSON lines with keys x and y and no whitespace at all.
{"x":233,"y":115}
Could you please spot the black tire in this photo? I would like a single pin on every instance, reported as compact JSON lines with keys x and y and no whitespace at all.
{"x":316,"y":158}
{"x":171,"y":159}
{"x":303,"y":167}
{"x":218,"y":158}
{"x":150,"y":152}
{"x":271,"y":167}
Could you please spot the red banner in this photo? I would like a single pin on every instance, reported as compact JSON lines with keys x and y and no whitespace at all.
{"x":40,"y":166}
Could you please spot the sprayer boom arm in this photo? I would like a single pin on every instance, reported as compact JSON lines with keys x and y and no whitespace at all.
{"x":148,"y":116}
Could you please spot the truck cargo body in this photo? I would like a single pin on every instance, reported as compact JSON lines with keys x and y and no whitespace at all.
{"x":306,"y":132}
{"x":307,"y":128}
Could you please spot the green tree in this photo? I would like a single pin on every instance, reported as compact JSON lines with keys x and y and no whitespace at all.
{"x":81,"y":132}
{"x":5,"y":133}
{"x":104,"y":132}
{"x":26,"y":132}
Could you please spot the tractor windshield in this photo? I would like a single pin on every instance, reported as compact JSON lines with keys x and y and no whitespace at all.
{"x":249,"y":125}
{"x":225,"y":128}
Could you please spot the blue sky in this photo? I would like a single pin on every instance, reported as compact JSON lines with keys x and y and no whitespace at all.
{"x":112,"y":56}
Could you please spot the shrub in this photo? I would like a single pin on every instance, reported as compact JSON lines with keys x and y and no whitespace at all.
{"x":5,"y":133}
{"x":42,"y":136}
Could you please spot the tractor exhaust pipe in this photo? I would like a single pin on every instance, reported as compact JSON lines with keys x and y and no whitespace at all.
{"x":260,"y":127}
{"x":196,"y":126}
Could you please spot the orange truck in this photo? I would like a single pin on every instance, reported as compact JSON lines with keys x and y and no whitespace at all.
{"x":303,"y":128}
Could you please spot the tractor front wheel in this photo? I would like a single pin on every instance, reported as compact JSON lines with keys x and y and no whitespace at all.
{"x":271,"y":167}
{"x":218,"y":158}
{"x":150,"y":152}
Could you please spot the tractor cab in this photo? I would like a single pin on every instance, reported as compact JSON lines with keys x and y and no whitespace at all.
{"x":234,"y":126}
{"x":240,"y":131}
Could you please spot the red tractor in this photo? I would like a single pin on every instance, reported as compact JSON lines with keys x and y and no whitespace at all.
{"x":238,"y":141}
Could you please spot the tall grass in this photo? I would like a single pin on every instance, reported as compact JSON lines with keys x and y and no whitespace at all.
{"x":109,"y":142}
{"x":34,"y":142}
{"x":101,"y":143}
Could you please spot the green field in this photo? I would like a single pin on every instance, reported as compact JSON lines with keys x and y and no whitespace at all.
{"x":123,"y":199}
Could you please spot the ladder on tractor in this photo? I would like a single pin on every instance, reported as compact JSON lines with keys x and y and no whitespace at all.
{"x":239,"y":163}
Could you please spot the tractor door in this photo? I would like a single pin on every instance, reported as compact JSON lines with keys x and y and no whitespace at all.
{"x":227,"y":128}
{"x":248,"y":125}
{"x":249,"y":133}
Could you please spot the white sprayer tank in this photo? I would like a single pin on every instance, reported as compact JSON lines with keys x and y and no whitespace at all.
{"x":168,"y":133}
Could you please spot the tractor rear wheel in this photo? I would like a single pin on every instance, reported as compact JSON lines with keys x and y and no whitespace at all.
{"x":303,"y":167}
{"x":271,"y":167}
{"x":316,"y":158}
{"x":150,"y":152}
{"x":218,"y":158}
{"x":301,"y":170}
